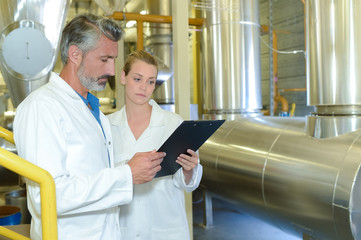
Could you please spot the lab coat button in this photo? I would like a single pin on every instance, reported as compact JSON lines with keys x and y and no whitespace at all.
{"x":109,"y":143}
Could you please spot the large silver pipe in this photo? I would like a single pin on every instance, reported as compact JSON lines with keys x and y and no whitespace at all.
{"x":302,"y":175}
{"x":333,"y":66}
{"x":270,"y":168}
{"x":30,"y":32}
{"x":160,"y":43}
{"x":232,"y":81}
{"x":334,"y":52}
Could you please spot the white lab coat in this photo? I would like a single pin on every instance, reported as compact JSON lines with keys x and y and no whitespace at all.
{"x":55,"y":130}
{"x":157,"y":211}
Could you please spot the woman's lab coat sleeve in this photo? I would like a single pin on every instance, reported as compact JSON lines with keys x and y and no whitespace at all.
{"x":39,"y":133}
{"x":179,"y":179}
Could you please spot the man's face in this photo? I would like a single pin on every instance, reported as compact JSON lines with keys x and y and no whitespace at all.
{"x":98,"y":65}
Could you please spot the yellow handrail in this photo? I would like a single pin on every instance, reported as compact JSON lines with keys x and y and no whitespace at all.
{"x":7,"y":135}
{"x":11,"y":234}
{"x":24,"y":168}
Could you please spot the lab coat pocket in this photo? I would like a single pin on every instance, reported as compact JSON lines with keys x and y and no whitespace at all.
{"x":178,"y":233}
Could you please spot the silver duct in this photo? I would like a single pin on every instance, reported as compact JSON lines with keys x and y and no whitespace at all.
{"x":232,"y":78}
{"x":30,"y":32}
{"x":160,"y":43}
{"x":333,"y":66}
{"x":274,"y":169}
{"x":270,"y":168}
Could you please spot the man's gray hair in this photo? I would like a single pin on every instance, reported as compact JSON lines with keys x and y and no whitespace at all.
{"x":85,"y":30}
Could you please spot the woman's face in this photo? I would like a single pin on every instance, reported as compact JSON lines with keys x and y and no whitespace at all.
{"x":140,"y":82}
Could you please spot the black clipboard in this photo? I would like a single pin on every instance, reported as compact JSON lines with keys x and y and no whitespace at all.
{"x":188,"y":135}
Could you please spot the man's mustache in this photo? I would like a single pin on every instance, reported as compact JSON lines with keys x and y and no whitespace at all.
{"x":104,"y":76}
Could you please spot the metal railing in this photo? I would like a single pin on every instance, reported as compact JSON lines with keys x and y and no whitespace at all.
{"x":24,"y":168}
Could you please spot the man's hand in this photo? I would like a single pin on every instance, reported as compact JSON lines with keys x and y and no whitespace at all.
{"x":145,"y":165}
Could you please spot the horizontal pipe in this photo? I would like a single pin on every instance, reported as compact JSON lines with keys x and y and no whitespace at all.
{"x":152,"y":18}
{"x":272,"y":169}
{"x":293,"y":90}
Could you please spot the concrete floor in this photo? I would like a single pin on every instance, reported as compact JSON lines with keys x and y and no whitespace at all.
{"x":231,"y":224}
{"x":228,"y":223}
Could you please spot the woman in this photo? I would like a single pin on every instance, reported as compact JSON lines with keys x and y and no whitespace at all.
{"x":157,"y":210}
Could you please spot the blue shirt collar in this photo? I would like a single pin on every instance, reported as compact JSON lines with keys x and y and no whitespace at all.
{"x":94,"y":103}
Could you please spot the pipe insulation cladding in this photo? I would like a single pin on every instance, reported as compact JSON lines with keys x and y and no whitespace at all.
{"x":270,"y":168}
{"x":302,"y":174}
{"x":29,"y":40}
{"x":231,"y":55}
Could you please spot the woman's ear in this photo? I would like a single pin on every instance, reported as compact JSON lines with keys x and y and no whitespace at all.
{"x":75,"y":54}
{"x":122,"y":77}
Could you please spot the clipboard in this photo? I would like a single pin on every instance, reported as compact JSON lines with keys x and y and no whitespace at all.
{"x":188,"y":135}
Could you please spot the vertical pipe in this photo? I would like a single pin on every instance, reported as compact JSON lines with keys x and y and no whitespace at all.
{"x":334,"y":54}
{"x":271,"y":72}
{"x":140,"y":44}
{"x":232,"y":82}
{"x":160,"y":44}
{"x":333,"y":66}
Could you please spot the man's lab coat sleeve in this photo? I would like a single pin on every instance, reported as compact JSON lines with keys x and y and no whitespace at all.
{"x":110,"y":187}
{"x":39,"y":138}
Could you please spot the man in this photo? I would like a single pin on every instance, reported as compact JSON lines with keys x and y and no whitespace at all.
{"x":59,"y":128}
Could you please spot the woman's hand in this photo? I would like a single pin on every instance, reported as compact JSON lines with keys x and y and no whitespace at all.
{"x":188,"y":163}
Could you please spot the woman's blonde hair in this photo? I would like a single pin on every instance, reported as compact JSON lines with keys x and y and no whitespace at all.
{"x":139,"y":55}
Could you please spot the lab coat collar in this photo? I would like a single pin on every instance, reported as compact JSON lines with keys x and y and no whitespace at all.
{"x":61,"y":84}
{"x":65,"y":88}
{"x":156,"y":119}
{"x":120,"y":118}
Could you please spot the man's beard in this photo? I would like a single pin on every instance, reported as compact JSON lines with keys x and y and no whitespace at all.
{"x":91,"y":83}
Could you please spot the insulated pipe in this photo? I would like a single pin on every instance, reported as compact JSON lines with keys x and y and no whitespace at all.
{"x":29,"y":41}
{"x":272,"y":169}
{"x":232,"y":78}
{"x":304,"y":182}
{"x":333,"y":66}
{"x":334,"y":55}
{"x":160,"y":43}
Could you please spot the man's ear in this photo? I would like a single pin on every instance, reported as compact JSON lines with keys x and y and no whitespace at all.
{"x":122,"y":77}
{"x":75,"y":54}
